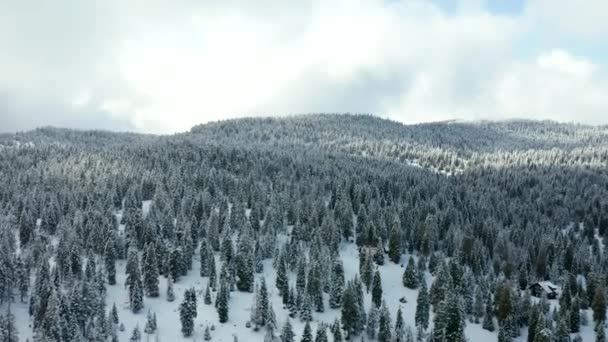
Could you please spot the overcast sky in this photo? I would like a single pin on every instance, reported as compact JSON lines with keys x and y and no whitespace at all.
{"x":163,"y":66}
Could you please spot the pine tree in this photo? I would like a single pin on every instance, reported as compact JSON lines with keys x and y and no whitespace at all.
{"x":245,"y":271}
{"x":175,"y":264}
{"x":207,"y":335}
{"x":399,"y":335}
{"x":110,"y":262}
{"x":321,"y":334}
{"x":306,"y":309}
{"x":394,"y":242}
{"x":600,"y":335}
{"x":336,"y":330}
{"x":204,"y":252}
{"x":372,"y":322}
{"x":114,"y":314}
{"x":136,"y":292}
{"x":282,"y":282}
{"x":170,"y":294}
{"x":287,"y":334}
{"x":135,"y":335}
{"x":488,"y":318}
{"x":366,"y":270}
{"x":351,"y":312}
{"x":187,"y":312}
{"x":150,"y":327}
{"x":379,"y":254}
{"x":562,"y":333}
{"x":207,"y":296}
{"x":449,"y":321}
{"x":150,"y":270}
{"x":307,"y":333}
{"x":384,"y":325}
{"x":222,"y":303}
{"x":477,"y":312}
{"x":8,"y":330}
{"x":410,"y":276}
{"x":504,"y":334}
{"x":261,"y":304}
{"x":422,"y":307}
{"x":599,"y":305}
{"x":377,"y":289}
{"x":575,"y":316}
{"x":337,"y":284}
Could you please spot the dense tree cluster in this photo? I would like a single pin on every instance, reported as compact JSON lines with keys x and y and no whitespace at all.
{"x":524,"y":202}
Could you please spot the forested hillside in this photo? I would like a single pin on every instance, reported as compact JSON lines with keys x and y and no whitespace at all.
{"x":306,"y":228}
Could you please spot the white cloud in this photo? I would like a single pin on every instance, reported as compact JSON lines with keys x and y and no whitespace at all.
{"x":163,"y":66}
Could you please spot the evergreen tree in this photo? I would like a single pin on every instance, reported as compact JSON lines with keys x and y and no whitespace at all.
{"x":575,"y":316}
{"x":394,"y":242}
{"x":135,"y":335}
{"x":379,"y":254}
{"x":337,"y":284}
{"x":207,"y":334}
{"x":150,"y":270}
{"x":410,"y":276}
{"x":170,"y":294}
{"x":351,"y":312}
{"x":336,"y":330}
{"x":449,"y":321}
{"x":187,"y":312}
{"x":114,"y":314}
{"x":136,"y":292}
{"x":600,"y":335}
{"x":384,"y":325}
{"x":306,"y":309}
{"x":599,"y":305}
{"x":110,"y":262}
{"x":307,"y":333}
{"x":321,"y":334}
{"x":207,"y":296}
{"x":399,"y":335}
{"x":150,"y":327}
{"x":245,"y":271}
{"x":176,"y":267}
{"x":222,"y":303}
{"x":282,"y":282}
{"x":287,"y":334}
{"x":477,"y":312}
{"x":562,"y":333}
{"x":488,"y":317}
{"x":372,"y":322}
{"x":377,"y":289}
{"x":422,"y":307}
{"x":204,"y":252}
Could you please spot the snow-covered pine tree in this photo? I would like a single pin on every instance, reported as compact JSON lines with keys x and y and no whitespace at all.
{"x":422,"y":307}
{"x":110,"y":261}
{"x":384,"y":325}
{"x":287,"y":334}
{"x":372,"y":322}
{"x":410,"y":275}
{"x":307,"y":333}
{"x":169,"y":293}
{"x":150,"y":271}
{"x":336,"y":284}
{"x":187,"y":312}
{"x":377,"y":289}
{"x":222,"y":303}
{"x":394,"y":241}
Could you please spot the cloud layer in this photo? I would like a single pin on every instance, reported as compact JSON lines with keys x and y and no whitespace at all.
{"x":162,"y":66}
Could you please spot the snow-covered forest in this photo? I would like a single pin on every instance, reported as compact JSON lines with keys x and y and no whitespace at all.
{"x":307,"y":228}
